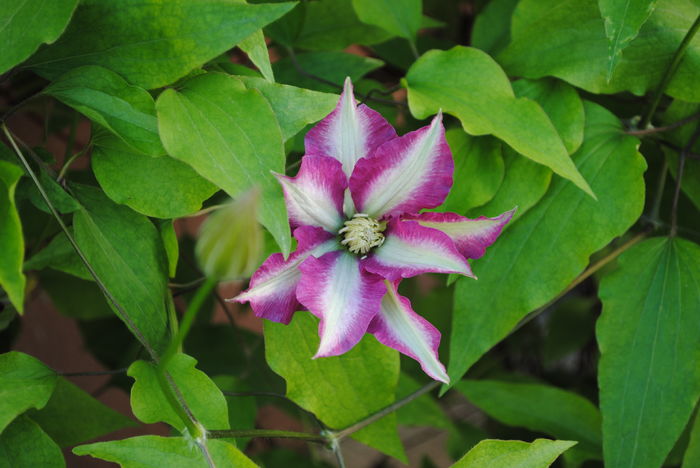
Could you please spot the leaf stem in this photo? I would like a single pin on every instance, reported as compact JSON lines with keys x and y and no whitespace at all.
{"x":186,"y":323}
{"x":670,"y":71}
{"x":660,"y":186}
{"x":679,"y":179}
{"x":650,"y":131}
{"x":385,"y":411}
{"x":267,"y":433}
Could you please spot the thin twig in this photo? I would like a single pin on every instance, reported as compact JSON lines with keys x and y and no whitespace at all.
{"x":665,"y":128}
{"x":660,"y":186}
{"x":266,"y":433}
{"x":385,"y":411}
{"x":670,"y":71}
{"x":679,"y":178}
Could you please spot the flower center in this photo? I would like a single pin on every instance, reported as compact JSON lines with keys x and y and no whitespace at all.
{"x":362,"y":233}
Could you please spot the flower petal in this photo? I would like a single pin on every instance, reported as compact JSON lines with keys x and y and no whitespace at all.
{"x":345,"y":298}
{"x":471,"y":236}
{"x":348,"y":133}
{"x":399,"y":327}
{"x":272,"y":291}
{"x":411,"y":249}
{"x":315,"y":196}
{"x":405,"y":174}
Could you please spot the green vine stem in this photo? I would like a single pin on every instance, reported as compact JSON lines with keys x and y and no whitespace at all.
{"x":670,"y":71}
{"x":268,"y":433}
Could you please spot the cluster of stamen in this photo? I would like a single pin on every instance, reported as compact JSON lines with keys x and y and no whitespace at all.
{"x":362,"y":233}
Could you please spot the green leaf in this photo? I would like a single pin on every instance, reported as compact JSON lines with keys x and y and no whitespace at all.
{"x":339,"y":390}
{"x":72,"y":416}
{"x":152,"y":43}
{"x":22,"y":32}
{"x":334,"y":25}
{"x":491,"y":30}
{"x":544,"y":250}
{"x":524,"y":184}
{"x":75,"y":297}
{"x":256,"y":48}
{"x":24,"y":444}
{"x":622,"y":20}
{"x":203,"y":397}
{"x":12,"y":279}
{"x":649,"y":339}
{"x":541,"y":453}
{"x":691,"y":457}
{"x":295,"y":108}
{"x":400,"y":18}
{"x":60,"y":199}
{"x":478,"y":170}
{"x":469,"y":84}
{"x":108,"y":99}
{"x":423,"y":411}
{"x":125,"y":250}
{"x":230,"y":136}
{"x":561,"y":103}
{"x":539,"y":408}
{"x":173,"y":452}
{"x":25,"y":383}
{"x":332,"y":66}
{"x":566,"y":39}
{"x":127,"y":177}
{"x":59,"y":255}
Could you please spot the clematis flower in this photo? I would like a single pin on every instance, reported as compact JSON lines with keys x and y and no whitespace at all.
{"x":356,"y":208}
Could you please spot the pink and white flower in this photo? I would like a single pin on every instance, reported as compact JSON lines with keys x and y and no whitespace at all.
{"x":356,"y":208}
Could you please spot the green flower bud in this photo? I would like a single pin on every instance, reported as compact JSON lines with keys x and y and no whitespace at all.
{"x":230,"y":241}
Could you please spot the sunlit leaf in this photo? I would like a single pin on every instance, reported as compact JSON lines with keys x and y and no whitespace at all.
{"x":12,"y":279}
{"x":541,"y":453}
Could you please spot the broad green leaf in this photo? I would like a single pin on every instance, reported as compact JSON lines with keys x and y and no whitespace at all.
{"x":203,"y":397}
{"x":491,"y":30}
{"x":125,"y":250}
{"x":12,"y":279}
{"x":540,"y":408}
{"x":524,"y":184}
{"x":423,"y":411}
{"x":230,"y":136}
{"x":339,"y":390}
{"x":561,"y":103}
{"x":541,"y":453}
{"x":478,"y":170}
{"x":173,"y":452}
{"x":332,"y":66}
{"x":334,"y":25}
{"x":108,"y":99}
{"x":566,"y":39}
{"x":72,"y":416}
{"x":691,"y":458}
{"x":59,"y":255}
{"x":152,"y":43}
{"x":622,"y":19}
{"x":24,"y":444}
{"x":399,"y":17}
{"x":24,"y":383}
{"x":295,"y":108}
{"x":468,"y":83}
{"x":649,"y":339}
{"x":22,"y":32}
{"x":129,"y":178}
{"x":544,"y":250}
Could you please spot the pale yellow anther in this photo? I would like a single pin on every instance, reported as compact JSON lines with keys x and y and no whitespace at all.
{"x":362,"y":233}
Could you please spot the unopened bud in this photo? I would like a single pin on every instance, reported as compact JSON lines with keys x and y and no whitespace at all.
{"x":230,"y":240}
